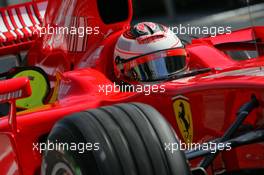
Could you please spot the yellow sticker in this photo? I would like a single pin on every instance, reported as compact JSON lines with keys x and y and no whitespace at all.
{"x":183,"y":114}
{"x":56,"y":88}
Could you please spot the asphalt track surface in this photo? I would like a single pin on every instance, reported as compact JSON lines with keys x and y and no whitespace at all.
{"x":239,"y":18}
{"x":236,"y":19}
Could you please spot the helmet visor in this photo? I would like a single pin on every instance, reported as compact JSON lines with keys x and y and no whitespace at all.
{"x":157,"y":66}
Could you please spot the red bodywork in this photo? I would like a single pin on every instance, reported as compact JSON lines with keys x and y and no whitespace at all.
{"x":75,"y":78}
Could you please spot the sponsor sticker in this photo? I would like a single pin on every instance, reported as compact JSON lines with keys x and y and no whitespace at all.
{"x":183,"y":115}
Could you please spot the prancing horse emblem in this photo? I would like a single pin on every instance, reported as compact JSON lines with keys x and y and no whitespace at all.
{"x":183,"y":115}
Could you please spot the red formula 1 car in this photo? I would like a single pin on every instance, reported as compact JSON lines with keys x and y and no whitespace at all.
{"x":60,"y":113}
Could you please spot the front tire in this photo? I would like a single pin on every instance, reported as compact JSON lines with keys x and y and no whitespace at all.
{"x":126,"y":139}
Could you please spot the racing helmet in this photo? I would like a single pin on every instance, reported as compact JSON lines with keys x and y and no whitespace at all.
{"x":148,"y":52}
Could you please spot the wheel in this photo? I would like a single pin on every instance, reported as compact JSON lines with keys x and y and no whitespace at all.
{"x":124,"y":139}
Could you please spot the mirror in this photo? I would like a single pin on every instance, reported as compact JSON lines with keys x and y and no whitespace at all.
{"x":13,"y":89}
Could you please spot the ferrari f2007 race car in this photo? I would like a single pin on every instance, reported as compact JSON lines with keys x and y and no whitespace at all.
{"x":62,"y":113}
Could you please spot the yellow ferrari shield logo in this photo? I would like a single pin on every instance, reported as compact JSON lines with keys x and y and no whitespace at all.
{"x":183,"y":116}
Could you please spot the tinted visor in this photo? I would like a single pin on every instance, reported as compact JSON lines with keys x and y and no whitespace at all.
{"x":157,"y":66}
